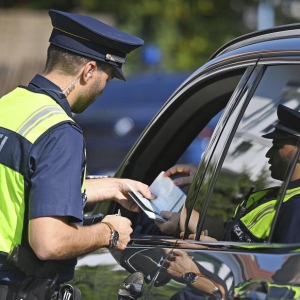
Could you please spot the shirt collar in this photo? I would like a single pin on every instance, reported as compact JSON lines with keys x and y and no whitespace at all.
{"x":294,"y":184}
{"x":40,"y":84}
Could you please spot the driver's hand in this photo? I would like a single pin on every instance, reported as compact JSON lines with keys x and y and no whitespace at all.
{"x":168,"y":227}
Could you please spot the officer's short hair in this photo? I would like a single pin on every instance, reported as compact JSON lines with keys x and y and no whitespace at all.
{"x":67,"y":62}
{"x":89,"y":37}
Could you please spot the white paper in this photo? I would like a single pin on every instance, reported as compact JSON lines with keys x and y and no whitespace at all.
{"x":169,"y":197}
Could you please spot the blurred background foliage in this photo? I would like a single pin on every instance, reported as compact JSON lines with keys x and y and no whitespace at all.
{"x":179,"y":35}
{"x":185,"y":32}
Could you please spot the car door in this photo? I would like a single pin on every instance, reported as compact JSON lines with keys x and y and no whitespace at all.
{"x":172,"y":136}
{"x":245,"y":97}
{"x":239,"y":150}
{"x":233,"y":165}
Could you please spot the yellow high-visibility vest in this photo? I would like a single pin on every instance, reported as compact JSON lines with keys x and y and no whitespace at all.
{"x":24,"y":118}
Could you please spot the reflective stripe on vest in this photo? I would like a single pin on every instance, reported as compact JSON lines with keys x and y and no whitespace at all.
{"x":33,"y":115}
{"x":259,"y":220}
{"x":268,"y":289}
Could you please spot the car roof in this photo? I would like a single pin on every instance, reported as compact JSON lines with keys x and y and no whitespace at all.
{"x":274,"y":33}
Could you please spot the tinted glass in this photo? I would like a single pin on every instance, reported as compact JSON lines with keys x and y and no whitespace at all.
{"x":246,"y":168}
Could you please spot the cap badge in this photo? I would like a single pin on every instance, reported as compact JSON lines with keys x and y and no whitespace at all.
{"x":115,"y":58}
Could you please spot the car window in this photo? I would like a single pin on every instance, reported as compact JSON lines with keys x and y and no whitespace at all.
{"x":244,"y":167}
{"x":179,"y":122}
{"x":177,"y":133}
{"x":196,"y":149}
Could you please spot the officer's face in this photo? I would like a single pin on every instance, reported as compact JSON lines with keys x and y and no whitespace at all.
{"x":93,"y":89}
{"x":102,"y":77}
{"x":280,"y":157}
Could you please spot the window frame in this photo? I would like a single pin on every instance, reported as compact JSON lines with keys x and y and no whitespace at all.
{"x":223,"y":147}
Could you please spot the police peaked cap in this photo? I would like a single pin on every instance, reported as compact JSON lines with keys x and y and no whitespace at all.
{"x":288,"y":125}
{"x":92,"y":38}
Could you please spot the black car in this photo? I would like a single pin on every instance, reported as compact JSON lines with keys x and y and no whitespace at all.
{"x":242,"y":84}
{"x":113,"y":123}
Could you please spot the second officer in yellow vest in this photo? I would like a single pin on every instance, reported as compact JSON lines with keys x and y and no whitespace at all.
{"x":253,"y":217}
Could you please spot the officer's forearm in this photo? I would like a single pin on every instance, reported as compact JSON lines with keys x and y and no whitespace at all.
{"x":54,"y":239}
{"x":101,"y":189}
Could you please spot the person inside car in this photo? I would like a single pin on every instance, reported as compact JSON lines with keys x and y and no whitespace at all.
{"x":286,"y":137}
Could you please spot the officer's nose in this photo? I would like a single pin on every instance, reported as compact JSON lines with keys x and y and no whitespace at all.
{"x":269,"y":153}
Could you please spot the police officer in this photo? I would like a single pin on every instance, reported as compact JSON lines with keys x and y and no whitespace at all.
{"x":244,"y":225}
{"x":42,"y":152}
{"x":286,"y":138}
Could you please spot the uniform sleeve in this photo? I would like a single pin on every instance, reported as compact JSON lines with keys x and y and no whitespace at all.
{"x":57,"y":162}
{"x":288,"y":222}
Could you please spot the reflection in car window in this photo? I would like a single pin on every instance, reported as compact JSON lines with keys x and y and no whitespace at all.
{"x":196,"y":149}
{"x":196,"y":200}
{"x":245,"y":168}
{"x":171,"y":140}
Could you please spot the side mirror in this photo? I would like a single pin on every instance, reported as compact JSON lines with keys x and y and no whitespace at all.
{"x":132,"y":287}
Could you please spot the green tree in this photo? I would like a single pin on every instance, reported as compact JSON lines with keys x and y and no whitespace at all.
{"x":187,"y":32}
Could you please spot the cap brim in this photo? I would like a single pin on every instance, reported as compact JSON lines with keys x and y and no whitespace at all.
{"x":119,"y":74}
{"x":277,"y":134}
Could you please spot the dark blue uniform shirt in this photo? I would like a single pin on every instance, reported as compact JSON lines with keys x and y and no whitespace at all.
{"x":57,"y":162}
{"x":288,"y":222}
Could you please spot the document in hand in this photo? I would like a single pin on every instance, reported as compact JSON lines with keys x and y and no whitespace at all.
{"x":169,"y":197}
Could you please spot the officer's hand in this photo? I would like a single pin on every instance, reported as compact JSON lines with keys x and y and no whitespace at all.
{"x":125,"y":200}
{"x":187,"y":170}
{"x":178,"y":263}
{"x":105,"y":189}
{"x":123,"y":226}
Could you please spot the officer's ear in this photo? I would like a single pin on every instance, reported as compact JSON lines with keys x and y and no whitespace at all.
{"x":88,"y":71}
